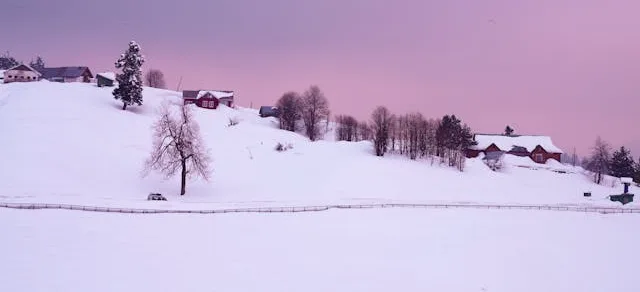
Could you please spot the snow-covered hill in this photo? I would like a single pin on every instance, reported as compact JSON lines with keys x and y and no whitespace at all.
{"x":71,"y":143}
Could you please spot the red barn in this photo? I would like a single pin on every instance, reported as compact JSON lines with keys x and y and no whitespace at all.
{"x":208,"y":98}
{"x":538,"y":148}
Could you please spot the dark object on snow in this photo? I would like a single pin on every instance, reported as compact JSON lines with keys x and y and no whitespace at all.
{"x":622,"y":198}
{"x":156,"y":197}
{"x":587,"y":194}
{"x":269,"y":111}
{"x":625,"y":197}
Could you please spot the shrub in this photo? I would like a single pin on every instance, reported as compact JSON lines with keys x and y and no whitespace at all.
{"x":281,"y":147}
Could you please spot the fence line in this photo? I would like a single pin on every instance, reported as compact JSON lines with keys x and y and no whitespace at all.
{"x":296,"y":209}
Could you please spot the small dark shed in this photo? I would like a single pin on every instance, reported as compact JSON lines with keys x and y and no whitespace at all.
{"x":105,"y":79}
{"x":269,"y":111}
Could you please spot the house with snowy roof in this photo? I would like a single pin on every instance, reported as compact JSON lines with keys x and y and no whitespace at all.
{"x":21,"y":73}
{"x":208,"y":98}
{"x":538,"y":148}
{"x":105,"y":79}
{"x":67,"y":74}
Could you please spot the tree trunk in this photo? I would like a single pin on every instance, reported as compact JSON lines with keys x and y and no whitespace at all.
{"x":183,"y":183}
{"x":124,"y":106}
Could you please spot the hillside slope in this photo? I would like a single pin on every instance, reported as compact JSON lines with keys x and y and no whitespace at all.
{"x":71,"y":143}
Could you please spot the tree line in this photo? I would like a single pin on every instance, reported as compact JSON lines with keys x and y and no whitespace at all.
{"x":603,"y":162}
{"x":411,"y":134}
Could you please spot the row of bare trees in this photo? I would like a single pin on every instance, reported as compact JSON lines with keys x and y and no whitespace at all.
{"x":411,"y":134}
{"x":309,"y":111}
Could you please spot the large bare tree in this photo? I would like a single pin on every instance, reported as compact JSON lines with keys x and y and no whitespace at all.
{"x":380,"y":122}
{"x":178,"y":146}
{"x":600,"y":160}
{"x":155,"y":78}
{"x":315,"y":110}
{"x":290,"y":108}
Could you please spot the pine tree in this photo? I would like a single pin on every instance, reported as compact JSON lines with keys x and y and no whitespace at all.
{"x":508,"y":131}
{"x":622,"y":164}
{"x":7,"y":62}
{"x":637,"y":175}
{"x":38,"y":64}
{"x":129,"y":89}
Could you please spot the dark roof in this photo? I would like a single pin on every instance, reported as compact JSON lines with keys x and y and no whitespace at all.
{"x":64,"y":72}
{"x":190,"y":93}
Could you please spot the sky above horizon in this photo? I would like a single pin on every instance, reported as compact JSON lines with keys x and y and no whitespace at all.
{"x":568,"y":69}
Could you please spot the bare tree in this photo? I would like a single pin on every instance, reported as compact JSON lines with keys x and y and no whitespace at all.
{"x":380,"y":121}
{"x":347,"y":128}
{"x":155,"y":78}
{"x":315,"y":109}
{"x":600,"y":160}
{"x":290,"y":108}
{"x":393,"y":133}
{"x":364,"y":132}
{"x":177,"y":145}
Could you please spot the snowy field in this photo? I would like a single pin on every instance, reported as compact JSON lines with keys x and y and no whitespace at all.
{"x":356,"y":250}
{"x":71,"y":144}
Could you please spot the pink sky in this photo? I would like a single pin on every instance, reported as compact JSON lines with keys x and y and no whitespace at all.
{"x":564,"y":68}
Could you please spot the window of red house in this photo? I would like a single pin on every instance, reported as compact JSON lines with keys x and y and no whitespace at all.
{"x":538,"y":157}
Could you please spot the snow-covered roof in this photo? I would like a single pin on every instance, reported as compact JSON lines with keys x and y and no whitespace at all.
{"x":25,"y":67}
{"x":626,"y":179}
{"x":108,"y":75}
{"x":216,"y":93}
{"x":506,"y":143}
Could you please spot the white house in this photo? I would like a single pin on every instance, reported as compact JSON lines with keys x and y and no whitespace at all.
{"x":21,"y":73}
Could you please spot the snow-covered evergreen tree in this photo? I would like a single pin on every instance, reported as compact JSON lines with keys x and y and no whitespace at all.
{"x":38,"y":64}
{"x":129,"y":89}
{"x":622,"y":164}
{"x":7,"y":62}
{"x":508,"y":130}
{"x":637,"y":176}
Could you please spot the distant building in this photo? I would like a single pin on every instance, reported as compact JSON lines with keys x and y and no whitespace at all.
{"x":67,"y":74}
{"x":21,"y":73}
{"x":208,"y":98}
{"x":538,"y":148}
{"x":269,"y":111}
{"x":105,"y":79}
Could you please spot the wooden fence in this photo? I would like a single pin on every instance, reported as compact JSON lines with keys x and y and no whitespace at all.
{"x":296,"y":209}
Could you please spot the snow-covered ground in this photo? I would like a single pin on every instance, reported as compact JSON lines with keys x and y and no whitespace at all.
{"x":356,"y":250}
{"x":71,"y":143}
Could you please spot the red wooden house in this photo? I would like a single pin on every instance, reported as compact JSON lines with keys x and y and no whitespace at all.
{"x":208,"y":98}
{"x":538,"y":148}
